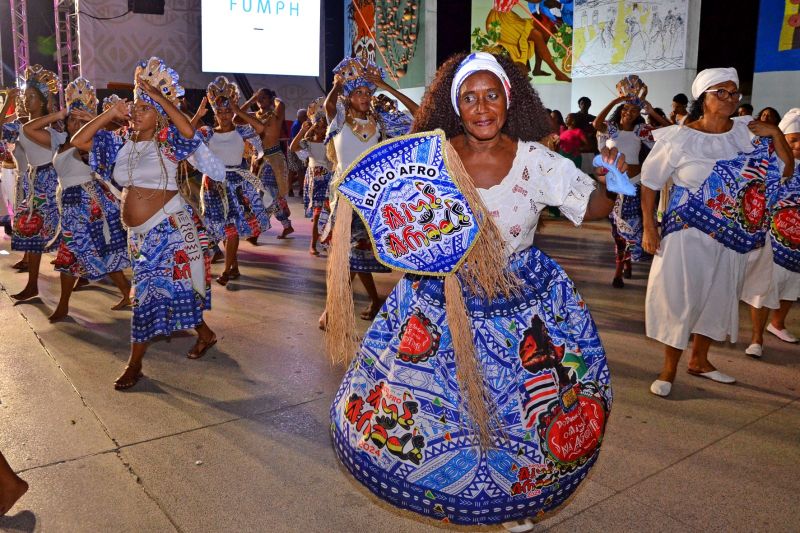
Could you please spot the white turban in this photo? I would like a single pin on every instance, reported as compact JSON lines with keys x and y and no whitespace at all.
{"x":712,"y":76}
{"x":477,"y":62}
{"x":790,"y":123}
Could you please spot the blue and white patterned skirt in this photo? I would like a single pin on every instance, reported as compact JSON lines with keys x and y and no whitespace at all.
{"x":316,"y":191}
{"x":398,"y":421}
{"x":247,"y":215}
{"x":93,"y":240}
{"x":36,"y":219}
{"x":362,"y":257}
{"x":164,"y":300}
{"x":626,"y":222}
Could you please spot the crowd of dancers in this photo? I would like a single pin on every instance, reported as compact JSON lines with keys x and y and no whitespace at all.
{"x":467,"y":431}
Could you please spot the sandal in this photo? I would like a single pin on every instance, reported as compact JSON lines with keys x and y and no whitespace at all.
{"x":122,"y":385}
{"x":201,"y":347}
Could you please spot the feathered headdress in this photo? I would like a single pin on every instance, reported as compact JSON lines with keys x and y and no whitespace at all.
{"x":316,"y":110}
{"x":354,"y":71}
{"x":159,"y":75}
{"x":221,"y":92}
{"x":43,"y":80}
{"x":80,"y":94}
{"x":110,"y":101}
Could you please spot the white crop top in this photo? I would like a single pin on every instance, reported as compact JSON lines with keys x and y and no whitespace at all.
{"x":628,"y":143}
{"x":349,"y":147}
{"x":688,"y":156}
{"x":147,"y":172}
{"x":317,"y":156}
{"x":37,"y":155}
{"x":71,"y":169}
{"x":228,"y":147}
{"x":538,"y":178}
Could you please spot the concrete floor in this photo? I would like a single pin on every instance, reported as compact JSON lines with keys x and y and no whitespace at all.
{"x":238,"y":441}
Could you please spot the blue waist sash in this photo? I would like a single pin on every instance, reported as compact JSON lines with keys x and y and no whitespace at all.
{"x":731,"y":205}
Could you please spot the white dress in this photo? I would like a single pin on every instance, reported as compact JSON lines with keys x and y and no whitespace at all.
{"x":695,"y":282}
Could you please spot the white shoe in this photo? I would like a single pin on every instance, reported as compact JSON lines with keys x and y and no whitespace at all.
{"x":755,"y":350}
{"x":714,"y":375}
{"x":661,"y":388}
{"x":519,"y":526}
{"x":782,"y":334}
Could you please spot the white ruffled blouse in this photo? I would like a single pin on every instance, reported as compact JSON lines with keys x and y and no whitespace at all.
{"x":538,"y":178}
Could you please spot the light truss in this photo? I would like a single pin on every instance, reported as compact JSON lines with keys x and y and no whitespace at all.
{"x":67,"y":51}
{"x":19,"y":36}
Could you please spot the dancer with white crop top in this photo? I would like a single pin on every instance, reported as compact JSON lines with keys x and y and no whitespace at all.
{"x":168,"y":247}
{"x":93,"y":242}
{"x":236,"y":208}
{"x":626,"y":131}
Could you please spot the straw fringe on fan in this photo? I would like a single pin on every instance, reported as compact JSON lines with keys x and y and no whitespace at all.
{"x":341,"y":341}
{"x":483,"y":272}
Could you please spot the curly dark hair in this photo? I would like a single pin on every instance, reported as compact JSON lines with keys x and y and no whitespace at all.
{"x":526,"y":120}
{"x":617,"y":115}
{"x":696,"y":109}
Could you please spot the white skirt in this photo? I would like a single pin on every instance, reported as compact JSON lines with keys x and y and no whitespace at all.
{"x":694,"y":287}
{"x":783,"y":284}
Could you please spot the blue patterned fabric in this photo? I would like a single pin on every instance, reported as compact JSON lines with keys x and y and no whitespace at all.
{"x":316,"y":191}
{"x":418,"y":218}
{"x":279,"y":207}
{"x":397,"y":418}
{"x":93,"y":241}
{"x":784,"y":226}
{"x":10,"y":131}
{"x":626,"y":220}
{"x":731,"y":205}
{"x":246,"y":215}
{"x":36,"y":219}
{"x":164,"y":300}
{"x":362,"y":257}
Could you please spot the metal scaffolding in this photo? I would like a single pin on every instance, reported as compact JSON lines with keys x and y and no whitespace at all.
{"x":67,"y":51}
{"x":19,"y":36}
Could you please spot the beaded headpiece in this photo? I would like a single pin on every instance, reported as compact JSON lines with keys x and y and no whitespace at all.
{"x":109,"y":101}
{"x":316,"y":110}
{"x":159,"y":75}
{"x":43,"y":80}
{"x":354,"y":71}
{"x":80,"y":94}
{"x":221,"y":92}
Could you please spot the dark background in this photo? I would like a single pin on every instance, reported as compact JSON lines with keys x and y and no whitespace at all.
{"x":727,"y":34}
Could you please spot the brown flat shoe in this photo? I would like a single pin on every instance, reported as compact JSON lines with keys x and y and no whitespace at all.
{"x":201,"y":347}
{"x":223,"y":279}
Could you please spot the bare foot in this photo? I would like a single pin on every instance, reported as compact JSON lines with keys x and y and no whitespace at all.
{"x":202,"y":346}
{"x":129,"y":377}
{"x":82,"y":282}
{"x":323,"y":321}
{"x":286,"y":232}
{"x":26,"y":294}
{"x":124,"y":303}
{"x":234,"y":273}
{"x":253,"y":240}
{"x":562,"y":77}
{"x":10,"y":494}
{"x":20,"y":265}
{"x":59,"y":314}
{"x":372,"y":311}
{"x":313,"y":251}
{"x":540,"y":72}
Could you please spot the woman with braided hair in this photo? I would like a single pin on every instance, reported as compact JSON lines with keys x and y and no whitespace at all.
{"x":168,"y":246}
{"x":510,"y":431}
{"x":93,"y":243}
{"x":235,"y":208}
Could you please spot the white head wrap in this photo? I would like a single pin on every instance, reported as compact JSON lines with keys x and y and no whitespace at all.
{"x":790,"y":123}
{"x":477,"y":62}
{"x":712,"y":76}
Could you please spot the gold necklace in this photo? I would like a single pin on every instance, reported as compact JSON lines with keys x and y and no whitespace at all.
{"x":362,"y":130}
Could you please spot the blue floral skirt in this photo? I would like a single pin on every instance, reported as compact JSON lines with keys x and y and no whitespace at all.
{"x":164,"y":300}
{"x":316,"y":190}
{"x":93,"y":240}
{"x":247,"y":215}
{"x":626,"y":223}
{"x":36,"y":219}
{"x":397,"y":419}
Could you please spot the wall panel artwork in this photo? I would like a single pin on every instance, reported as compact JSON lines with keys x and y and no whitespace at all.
{"x":391,"y":33}
{"x":623,"y":36}
{"x":778,"y":42}
{"x":535,"y":35}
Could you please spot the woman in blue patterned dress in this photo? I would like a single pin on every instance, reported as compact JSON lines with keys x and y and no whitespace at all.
{"x":168,"y":246}
{"x":235,"y":208}
{"x":403,"y":422}
{"x":36,"y":217}
{"x":93,"y":243}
